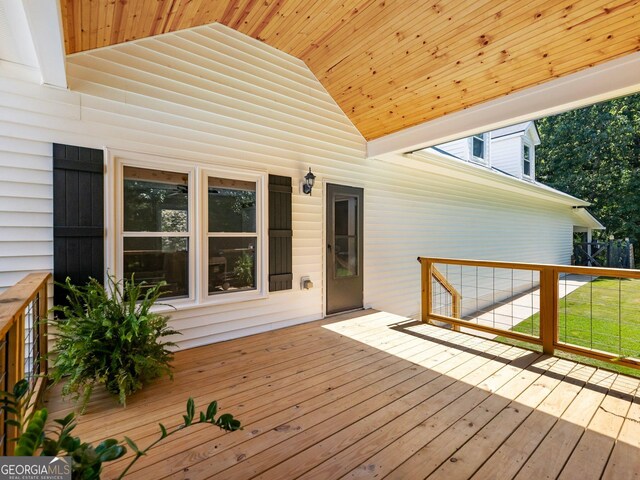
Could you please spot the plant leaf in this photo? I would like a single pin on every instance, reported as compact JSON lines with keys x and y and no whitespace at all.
{"x":212,"y":410}
{"x":191,"y":408}
{"x":112,"y":453}
{"x":133,"y":445}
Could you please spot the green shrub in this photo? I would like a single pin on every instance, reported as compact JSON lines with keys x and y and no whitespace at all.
{"x":109,"y":336}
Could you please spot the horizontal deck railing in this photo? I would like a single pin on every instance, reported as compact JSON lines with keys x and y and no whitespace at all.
{"x":587,"y":311}
{"x":23,"y":343}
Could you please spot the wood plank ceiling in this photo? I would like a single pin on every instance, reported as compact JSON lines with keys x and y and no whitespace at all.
{"x":391,"y":64}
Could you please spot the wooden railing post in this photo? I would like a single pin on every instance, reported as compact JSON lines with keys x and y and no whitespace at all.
{"x":456,"y":310}
{"x":548,"y":309}
{"x":426,"y":289}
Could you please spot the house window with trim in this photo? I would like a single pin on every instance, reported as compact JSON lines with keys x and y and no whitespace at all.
{"x":199,"y":230}
{"x":156,"y":229}
{"x":478,"y":147}
{"x":232,"y":235}
{"x":526,"y":160}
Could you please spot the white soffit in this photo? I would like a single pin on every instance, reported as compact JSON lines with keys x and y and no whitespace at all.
{"x":596,"y":84}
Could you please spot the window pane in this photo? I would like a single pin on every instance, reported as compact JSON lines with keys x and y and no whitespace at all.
{"x":157,"y":259}
{"x":346,"y":256}
{"x":232,"y":264}
{"x":346,"y":215}
{"x":478,"y":147}
{"x":346,"y":235}
{"x":155,"y":200}
{"x":232,"y":205}
{"x":526,"y":152}
{"x":527,"y":168}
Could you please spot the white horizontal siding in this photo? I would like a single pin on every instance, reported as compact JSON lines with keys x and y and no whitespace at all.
{"x":215,"y":96}
{"x":458,"y":148}
{"x":506,"y":155}
{"x":26,"y":233}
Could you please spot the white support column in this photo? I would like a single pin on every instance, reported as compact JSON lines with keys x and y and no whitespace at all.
{"x":45,"y":25}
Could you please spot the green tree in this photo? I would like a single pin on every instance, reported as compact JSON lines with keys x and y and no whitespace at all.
{"x":594,"y":153}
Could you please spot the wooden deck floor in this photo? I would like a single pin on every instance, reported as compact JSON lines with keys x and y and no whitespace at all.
{"x":373,"y":395}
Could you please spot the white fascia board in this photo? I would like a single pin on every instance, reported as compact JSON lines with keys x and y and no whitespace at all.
{"x":534,"y":133}
{"x":609,"y":80}
{"x":45,"y":25}
{"x":587,"y":220}
{"x":441,"y":164}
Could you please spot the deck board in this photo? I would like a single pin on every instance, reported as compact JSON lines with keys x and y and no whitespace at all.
{"x":374,"y":395}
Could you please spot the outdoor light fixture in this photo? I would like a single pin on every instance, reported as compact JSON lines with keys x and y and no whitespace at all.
{"x":309,"y":180}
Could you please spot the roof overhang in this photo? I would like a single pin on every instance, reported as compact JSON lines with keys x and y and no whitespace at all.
{"x":610,"y":80}
{"x":408,"y":77}
{"x":395,"y":65}
{"x":585,"y":220}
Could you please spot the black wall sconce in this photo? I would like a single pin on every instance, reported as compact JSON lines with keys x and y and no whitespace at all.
{"x":309,"y":180}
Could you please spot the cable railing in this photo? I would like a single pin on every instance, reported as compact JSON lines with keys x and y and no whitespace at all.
{"x":23,"y":343}
{"x":445,"y":297}
{"x":587,"y":311}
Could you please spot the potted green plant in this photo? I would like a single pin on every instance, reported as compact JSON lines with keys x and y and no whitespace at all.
{"x":109,"y":335}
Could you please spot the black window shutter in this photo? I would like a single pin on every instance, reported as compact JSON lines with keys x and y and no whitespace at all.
{"x":280,"y":234}
{"x":78,"y":216}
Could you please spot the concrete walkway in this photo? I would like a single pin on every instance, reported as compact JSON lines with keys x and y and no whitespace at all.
{"x":510,"y":313}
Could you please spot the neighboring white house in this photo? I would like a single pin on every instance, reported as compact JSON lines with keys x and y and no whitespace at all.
{"x":208,"y":114}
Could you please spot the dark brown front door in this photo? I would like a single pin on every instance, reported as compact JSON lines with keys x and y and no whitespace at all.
{"x":344,"y":248}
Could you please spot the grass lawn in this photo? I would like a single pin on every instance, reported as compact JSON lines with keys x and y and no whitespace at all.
{"x":601,"y":315}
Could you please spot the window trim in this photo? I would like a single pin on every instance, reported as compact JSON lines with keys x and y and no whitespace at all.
{"x":197,"y":218}
{"x":261,"y":290}
{"x":526,"y":143}
{"x":485,"y":148}
{"x":119,"y":232}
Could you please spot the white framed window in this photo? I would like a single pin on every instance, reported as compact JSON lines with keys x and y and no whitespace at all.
{"x":157,"y":227}
{"x":234,"y":241}
{"x":527,"y":160}
{"x":199,"y":229}
{"x":479,"y":147}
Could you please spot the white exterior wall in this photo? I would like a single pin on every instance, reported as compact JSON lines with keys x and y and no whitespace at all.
{"x":218,"y":97}
{"x":506,"y":155}
{"x":460,"y":148}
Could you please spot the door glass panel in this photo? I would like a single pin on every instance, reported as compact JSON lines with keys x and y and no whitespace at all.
{"x":346,"y":236}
